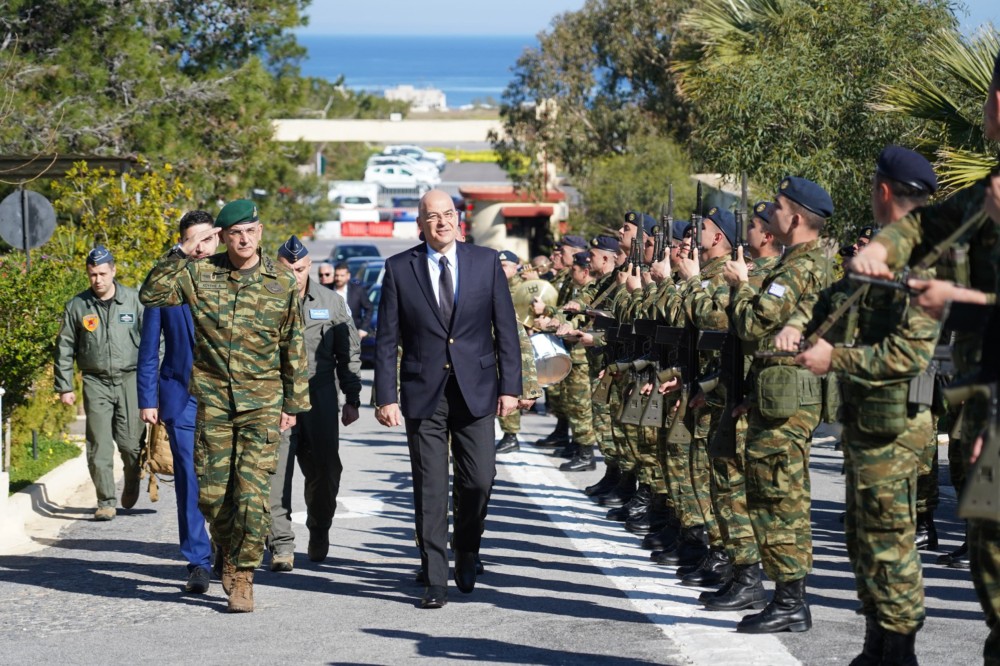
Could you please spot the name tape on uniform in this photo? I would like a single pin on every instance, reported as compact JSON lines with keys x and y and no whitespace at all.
{"x":126,"y":318}
{"x":776,"y":290}
{"x":319,"y":313}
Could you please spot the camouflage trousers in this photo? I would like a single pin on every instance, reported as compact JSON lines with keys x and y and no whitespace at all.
{"x":729,"y":501}
{"x":554,"y":400}
{"x":649,"y":450}
{"x":608,"y":431}
{"x":984,"y":558}
{"x":971,"y":421}
{"x":511,"y":424}
{"x":675,"y":461}
{"x":701,"y":475}
{"x":235,"y":454}
{"x":778,"y":490}
{"x":880,"y":522}
{"x":577,"y":405}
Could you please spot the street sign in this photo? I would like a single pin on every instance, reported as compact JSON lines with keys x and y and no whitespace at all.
{"x":26,"y":212}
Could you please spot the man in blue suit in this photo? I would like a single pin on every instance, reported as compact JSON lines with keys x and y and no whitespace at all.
{"x":447,"y":305}
{"x":163,"y":396}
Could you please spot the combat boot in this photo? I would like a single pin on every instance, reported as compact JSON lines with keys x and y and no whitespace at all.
{"x":691,"y":547}
{"x":715,"y":569}
{"x":666,"y":536}
{"x":621,"y":493}
{"x":652,"y":520}
{"x":130,"y":493}
{"x":612,"y":474}
{"x":282,"y":561}
{"x":105,"y":513}
{"x":241,"y":595}
{"x":787,"y":611}
{"x":745,"y":591}
{"x":635,"y":507}
{"x":228,"y":573}
{"x":871,"y":653}
{"x":958,"y":558}
{"x":558,"y":437}
{"x":926,"y":537}
{"x":898,"y":649}
{"x":583,"y":461}
{"x":508,"y":443}
{"x":568,"y":451}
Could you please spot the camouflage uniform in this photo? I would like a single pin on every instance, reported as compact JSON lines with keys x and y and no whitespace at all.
{"x":884,"y":438}
{"x":511,"y":424}
{"x":777,"y":446}
{"x":595,"y":362}
{"x":250,"y":366}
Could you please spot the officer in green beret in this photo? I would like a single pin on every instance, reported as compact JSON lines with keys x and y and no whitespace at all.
{"x":250,"y":377}
{"x":100,"y":331}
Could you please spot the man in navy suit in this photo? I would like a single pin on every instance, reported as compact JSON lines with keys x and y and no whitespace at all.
{"x":447,"y":304}
{"x":163,"y":396}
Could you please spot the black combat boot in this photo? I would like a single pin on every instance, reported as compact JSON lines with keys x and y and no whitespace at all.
{"x":652,"y":520}
{"x":745,"y":591}
{"x":666,"y":536}
{"x":612,"y":474}
{"x":871,"y":653}
{"x":621,"y":493}
{"x":787,"y":611}
{"x":558,"y":437}
{"x":691,"y":547}
{"x":959,"y":558}
{"x":508,"y":443}
{"x":634,"y":508}
{"x":715,"y":569}
{"x":927,"y":537}
{"x":568,"y":451}
{"x":898,"y":649}
{"x":581,"y":462}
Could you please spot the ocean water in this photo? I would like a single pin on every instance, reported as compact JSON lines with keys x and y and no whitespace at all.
{"x":465,"y":68}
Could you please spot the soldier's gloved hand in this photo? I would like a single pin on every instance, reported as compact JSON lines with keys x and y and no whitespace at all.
{"x":287,"y":421}
{"x":149,"y":415}
{"x":788,"y":339}
{"x":818,"y":358}
{"x":68,"y":398}
{"x":349,"y":415}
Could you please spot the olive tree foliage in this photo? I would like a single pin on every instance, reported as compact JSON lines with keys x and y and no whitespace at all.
{"x":598,"y":75}
{"x":783,"y":87}
{"x":947,"y":101}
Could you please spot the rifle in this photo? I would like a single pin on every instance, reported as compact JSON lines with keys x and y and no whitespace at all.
{"x":668,"y":220}
{"x":679,"y":349}
{"x":696,"y":224}
{"x":821,"y":330}
{"x":981,"y":496}
{"x":722,"y":444}
{"x":640,"y":243}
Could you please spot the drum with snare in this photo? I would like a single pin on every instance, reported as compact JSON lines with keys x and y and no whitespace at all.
{"x":552,"y":361}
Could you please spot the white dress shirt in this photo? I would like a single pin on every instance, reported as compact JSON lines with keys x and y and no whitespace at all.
{"x":433,"y":257}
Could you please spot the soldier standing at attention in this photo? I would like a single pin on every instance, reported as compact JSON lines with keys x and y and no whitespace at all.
{"x":511,"y":424}
{"x":334,"y":351}
{"x":786,"y":407}
{"x":249,"y":377}
{"x":887,"y":425}
{"x":101,"y":330}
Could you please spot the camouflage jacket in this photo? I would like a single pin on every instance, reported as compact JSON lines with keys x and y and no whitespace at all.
{"x":333,"y":347}
{"x":249,"y":348}
{"x":529,"y":373}
{"x":103,"y":338}
{"x":699,"y":307}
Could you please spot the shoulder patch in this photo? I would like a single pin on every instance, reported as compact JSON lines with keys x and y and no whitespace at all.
{"x":91,"y":322}
{"x":273,"y":286}
{"x":776,"y":290}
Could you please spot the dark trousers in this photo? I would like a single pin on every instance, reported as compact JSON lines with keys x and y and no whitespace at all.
{"x":195,"y":545}
{"x":475,"y":466}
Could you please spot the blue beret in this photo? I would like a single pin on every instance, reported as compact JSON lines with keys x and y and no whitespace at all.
{"x":293,"y":249}
{"x":908,"y":167}
{"x":681,"y":228}
{"x":606,"y":243}
{"x":726,"y":222}
{"x":99,"y":255}
{"x":236,"y":212}
{"x":807,"y":194}
{"x":578,"y":242}
{"x":507,"y":255}
{"x":634,"y":218}
{"x":764,"y":210}
{"x":866,"y":232}
{"x":582,"y":259}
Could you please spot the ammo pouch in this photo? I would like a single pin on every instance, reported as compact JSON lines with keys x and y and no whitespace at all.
{"x":831,"y":397}
{"x":881,"y":411}
{"x":782,"y":389}
{"x":921,"y":392}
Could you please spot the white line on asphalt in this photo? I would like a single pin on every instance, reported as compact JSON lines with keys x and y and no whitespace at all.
{"x":659,"y":595}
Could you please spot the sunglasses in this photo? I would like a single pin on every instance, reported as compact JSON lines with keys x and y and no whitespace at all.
{"x":326,"y":274}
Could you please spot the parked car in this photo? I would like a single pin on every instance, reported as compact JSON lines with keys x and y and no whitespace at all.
{"x":391,"y":175}
{"x":368,"y":342}
{"x":404,"y":209}
{"x":417,"y":166}
{"x":369,"y":271}
{"x":356,"y":208}
{"x":416,"y":152}
{"x":345,"y":251}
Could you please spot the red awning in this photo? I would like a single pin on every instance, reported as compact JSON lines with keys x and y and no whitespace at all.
{"x":526,"y":211}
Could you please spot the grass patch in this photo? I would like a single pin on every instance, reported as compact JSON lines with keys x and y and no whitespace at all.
{"x":456,"y":155}
{"x":25,"y":470}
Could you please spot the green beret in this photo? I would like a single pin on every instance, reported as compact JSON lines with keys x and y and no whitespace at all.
{"x":240,"y":211}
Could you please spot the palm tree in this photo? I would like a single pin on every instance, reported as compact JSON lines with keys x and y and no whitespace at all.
{"x":949,"y":102}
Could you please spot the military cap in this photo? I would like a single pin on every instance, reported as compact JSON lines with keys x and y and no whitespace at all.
{"x":807,"y":194}
{"x":681,"y":228}
{"x":907,"y":167}
{"x":582,"y":259}
{"x":507,"y":255}
{"x":764,"y":210}
{"x":578,"y":242}
{"x":100,"y":255}
{"x":726,"y":222}
{"x":293,"y":249}
{"x":606,"y":243}
{"x":866,"y":232}
{"x":635,"y":218}
{"x":240,"y":211}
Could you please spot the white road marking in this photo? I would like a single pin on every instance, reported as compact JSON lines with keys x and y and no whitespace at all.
{"x":349,"y":507}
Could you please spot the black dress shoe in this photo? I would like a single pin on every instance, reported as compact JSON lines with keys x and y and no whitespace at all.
{"x":508,"y":443}
{"x":465,"y":571}
{"x":957,"y":559}
{"x":198,"y":581}
{"x":435,"y":596}
{"x":421,"y":577}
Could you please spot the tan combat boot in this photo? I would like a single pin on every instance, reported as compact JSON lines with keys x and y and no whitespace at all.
{"x":104,"y":513}
{"x":241,"y":596}
{"x":228,"y":574}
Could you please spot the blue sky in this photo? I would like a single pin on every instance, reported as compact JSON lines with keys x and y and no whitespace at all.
{"x":478,"y":17}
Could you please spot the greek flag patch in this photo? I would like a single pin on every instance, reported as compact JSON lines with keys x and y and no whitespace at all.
{"x":776,"y":290}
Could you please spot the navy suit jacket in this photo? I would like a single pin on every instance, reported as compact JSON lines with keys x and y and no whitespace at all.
{"x":165,"y":385}
{"x":481,"y":347}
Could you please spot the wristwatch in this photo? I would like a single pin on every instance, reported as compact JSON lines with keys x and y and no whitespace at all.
{"x":177,"y":251}
{"x":356,"y":403}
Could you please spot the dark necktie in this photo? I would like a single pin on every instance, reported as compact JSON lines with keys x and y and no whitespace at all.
{"x":446,"y":291}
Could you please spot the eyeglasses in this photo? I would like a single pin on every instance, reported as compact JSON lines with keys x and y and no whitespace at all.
{"x":326,"y":274}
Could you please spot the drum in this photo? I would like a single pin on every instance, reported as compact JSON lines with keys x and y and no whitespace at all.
{"x":552,"y":361}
